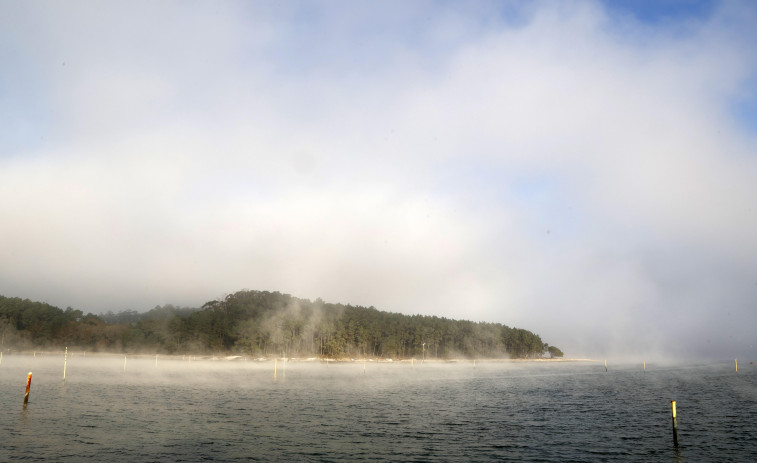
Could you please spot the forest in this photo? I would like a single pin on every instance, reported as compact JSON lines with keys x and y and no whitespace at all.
{"x":263,"y":324}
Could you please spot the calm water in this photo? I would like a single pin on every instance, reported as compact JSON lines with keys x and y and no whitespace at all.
{"x":234,"y":411}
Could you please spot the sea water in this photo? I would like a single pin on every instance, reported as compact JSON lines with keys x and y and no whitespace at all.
{"x":183,"y":410}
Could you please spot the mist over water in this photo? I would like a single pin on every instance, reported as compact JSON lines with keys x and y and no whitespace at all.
{"x":199,"y":410}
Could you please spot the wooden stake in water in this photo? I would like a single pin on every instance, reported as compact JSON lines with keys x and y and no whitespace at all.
{"x":65,"y":361}
{"x":675,"y":424}
{"x":605,"y":365}
{"x":28,"y":386}
{"x":737,"y":364}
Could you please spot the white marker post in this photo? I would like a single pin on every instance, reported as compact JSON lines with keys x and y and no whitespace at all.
{"x":65,"y":361}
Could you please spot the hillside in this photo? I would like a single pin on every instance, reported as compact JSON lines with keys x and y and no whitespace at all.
{"x":264,"y":324}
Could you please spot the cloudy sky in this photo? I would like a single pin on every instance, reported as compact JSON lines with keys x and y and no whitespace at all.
{"x":584,"y":170}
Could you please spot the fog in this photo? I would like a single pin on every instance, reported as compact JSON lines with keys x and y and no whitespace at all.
{"x":228,"y":373}
{"x":584,"y":170}
{"x":232,"y":372}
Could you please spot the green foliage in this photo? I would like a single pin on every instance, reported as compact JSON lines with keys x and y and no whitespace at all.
{"x":522,"y":343}
{"x":24,"y":323}
{"x":554,"y":352}
{"x":262,"y":323}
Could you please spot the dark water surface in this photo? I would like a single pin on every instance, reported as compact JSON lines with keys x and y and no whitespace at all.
{"x":235,"y":411}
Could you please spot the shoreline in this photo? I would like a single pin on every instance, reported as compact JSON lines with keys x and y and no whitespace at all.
{"x":245,"y":358}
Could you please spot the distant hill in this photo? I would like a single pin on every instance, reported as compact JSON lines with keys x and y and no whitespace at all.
{"x":265,"y":324}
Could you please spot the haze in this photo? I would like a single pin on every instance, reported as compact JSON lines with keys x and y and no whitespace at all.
{"x":579,"y":169}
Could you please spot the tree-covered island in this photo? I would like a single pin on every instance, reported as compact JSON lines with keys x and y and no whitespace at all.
{"x":264,"y":324}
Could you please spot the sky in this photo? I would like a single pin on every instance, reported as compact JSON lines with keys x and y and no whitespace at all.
{"x":581,"y":169}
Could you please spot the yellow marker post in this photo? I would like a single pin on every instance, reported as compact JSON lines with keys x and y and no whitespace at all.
{"x":28,"y":386}
{"x":675,"y":424}
{"x":737,"y":364}
{"x":645,"y":366}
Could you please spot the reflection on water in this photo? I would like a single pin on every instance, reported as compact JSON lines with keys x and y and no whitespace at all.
{"x":230,"y":411}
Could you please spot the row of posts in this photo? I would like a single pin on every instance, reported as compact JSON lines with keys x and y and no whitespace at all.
{"x":673,"y":403}
{"x":275,"y":364}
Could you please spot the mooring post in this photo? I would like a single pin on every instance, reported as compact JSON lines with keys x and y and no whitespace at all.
{"x":675,"y":424}
{"x":65,"y":360}
{"x":28,"y":386}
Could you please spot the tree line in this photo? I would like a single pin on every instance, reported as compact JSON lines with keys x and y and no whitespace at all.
{"x":265,"y":324}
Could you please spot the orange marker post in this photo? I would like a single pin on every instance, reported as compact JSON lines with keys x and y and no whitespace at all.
{"x":28,"y":386}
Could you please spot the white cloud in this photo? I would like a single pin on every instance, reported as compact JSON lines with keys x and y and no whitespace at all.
{"x":566,"y":173}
